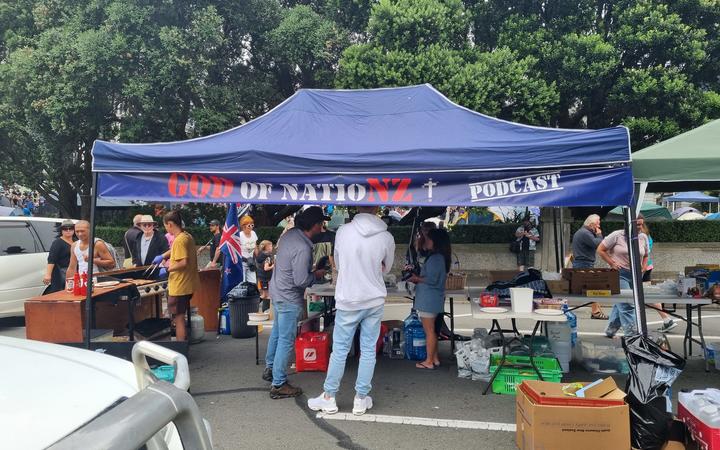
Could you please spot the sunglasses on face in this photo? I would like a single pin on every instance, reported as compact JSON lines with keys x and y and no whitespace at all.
{"x":147,"y":225}
{"x":68,"y":228}
{"x":250,"y":225}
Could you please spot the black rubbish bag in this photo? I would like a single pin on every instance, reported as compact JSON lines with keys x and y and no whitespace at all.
{"x":652,"y":372}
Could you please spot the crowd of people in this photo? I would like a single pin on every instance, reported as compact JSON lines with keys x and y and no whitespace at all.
{"x":360,"y":253}
{"x":15,"y":196}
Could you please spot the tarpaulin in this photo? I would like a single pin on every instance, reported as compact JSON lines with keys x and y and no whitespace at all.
{"x":573,"y":187}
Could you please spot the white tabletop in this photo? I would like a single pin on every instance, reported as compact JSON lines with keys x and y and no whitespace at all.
{"x":477,"y":313}
{"x":328,"y":290}
{"x":626,"y":296}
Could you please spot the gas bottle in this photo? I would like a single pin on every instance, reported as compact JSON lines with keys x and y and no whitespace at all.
{"x":197,"y":326}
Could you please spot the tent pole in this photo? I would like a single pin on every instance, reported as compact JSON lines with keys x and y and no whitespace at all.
{"x":555,"y":235}
{"x":91,"y":256}
{"x":631,"y":234}
{"x":562,"y":240}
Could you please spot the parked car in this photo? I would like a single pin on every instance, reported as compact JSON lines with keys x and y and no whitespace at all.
{"x":24,"y":246}
{"x":60,"y":397}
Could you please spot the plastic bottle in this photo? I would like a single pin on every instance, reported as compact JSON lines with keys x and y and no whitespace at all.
{"x":83,"y":284}
{"x":572,"y":321}
{"x":76,"y":284}
{"x":414,"y":339}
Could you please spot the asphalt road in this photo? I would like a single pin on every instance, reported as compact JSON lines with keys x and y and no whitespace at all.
{"x":438,"y":409}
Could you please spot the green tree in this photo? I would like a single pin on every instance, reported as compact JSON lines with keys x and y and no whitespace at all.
{"x":651,"y":65}
{"x":428,"y":41}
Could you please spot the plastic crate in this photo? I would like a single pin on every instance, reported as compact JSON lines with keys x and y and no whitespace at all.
{"x":164,"y":373}
{"x":518,"y":369}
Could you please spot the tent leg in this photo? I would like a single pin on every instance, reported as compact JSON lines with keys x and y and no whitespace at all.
{"x":91,"y":252}
{"x":562,"y":240}
{"x":631,"y":234}
{"x":557,"y":241}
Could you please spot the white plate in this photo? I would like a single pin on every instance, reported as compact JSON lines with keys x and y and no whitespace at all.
{"x":493,"y":310}
{"x":549,"y":312}
{"x":107,"y":283}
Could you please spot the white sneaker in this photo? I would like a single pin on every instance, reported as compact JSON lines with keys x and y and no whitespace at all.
{"x":360,"y":405}
{"x":321,"y":403}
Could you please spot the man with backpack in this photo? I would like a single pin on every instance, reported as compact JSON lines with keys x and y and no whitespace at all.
{"x":103,"y":257}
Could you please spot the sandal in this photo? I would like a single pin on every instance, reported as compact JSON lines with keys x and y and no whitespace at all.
{"x":599,"y":316}
{"x":422,"y":366}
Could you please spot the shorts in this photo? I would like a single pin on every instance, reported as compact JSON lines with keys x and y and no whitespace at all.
{"x":426,"y":315}
{"x":263,"y":285}
{"x":526,"y":258}
{"x":178,"y":304}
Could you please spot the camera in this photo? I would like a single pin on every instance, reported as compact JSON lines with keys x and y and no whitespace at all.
{"x":409,"y":271}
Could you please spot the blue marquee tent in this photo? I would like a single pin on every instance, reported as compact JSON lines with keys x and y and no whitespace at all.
{"x":393,"y":146}
{"x":403,"y":146}
{"x":692,"y":197}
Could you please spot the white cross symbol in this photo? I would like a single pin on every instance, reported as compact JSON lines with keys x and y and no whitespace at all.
{"x":429,"y":185}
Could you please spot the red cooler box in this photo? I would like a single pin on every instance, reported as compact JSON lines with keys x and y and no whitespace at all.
{"x":312,"y":352}
{"x":699,"y":410}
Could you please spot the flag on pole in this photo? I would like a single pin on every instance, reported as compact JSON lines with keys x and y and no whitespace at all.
{"x":230,"y":246}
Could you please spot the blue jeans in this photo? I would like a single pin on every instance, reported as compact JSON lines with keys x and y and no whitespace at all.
{"x":346,"y":322}
{"x":623,"y":314}
{"x":282,"y":339}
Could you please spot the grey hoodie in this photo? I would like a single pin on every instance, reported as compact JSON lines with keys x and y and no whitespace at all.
{"x":364,"y":250}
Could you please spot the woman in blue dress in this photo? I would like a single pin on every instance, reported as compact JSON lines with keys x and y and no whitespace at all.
{"x":430,"y":291}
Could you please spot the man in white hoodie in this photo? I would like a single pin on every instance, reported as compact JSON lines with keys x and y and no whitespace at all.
{"x":364,"y":250}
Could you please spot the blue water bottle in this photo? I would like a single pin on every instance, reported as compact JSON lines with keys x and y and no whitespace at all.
{"x":572,"y":321}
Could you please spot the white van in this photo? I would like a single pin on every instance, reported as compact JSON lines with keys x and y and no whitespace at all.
{"x":24,"y":246}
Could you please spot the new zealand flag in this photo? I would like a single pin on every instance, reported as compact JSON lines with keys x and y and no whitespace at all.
{"x":230,"y":246}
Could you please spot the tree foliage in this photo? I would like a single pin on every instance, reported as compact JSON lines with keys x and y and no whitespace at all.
{"x":73,"y":71}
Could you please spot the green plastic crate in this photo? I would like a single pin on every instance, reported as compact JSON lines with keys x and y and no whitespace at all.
{"x":518,"y":369}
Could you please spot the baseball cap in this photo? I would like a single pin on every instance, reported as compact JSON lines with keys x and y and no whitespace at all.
{"x":215,"y":222}
{"x":311,"y":216}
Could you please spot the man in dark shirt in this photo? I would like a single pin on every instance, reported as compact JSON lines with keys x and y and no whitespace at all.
{"x":584,"y":245}
{"x":131,"y":236}
{"x":215,"y":256}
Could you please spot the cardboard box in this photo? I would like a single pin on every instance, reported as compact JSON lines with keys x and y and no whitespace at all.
{"x":558,"y":287}
{"x":548,"y":419}
{"x":592,"y":279}
{"x":501,"y":275}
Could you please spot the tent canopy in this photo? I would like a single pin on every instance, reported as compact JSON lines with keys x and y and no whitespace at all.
{"x":692,"y":197}
{"x":407,"y":145}
{"x":650,"y":211}
{"x":684,"y":162}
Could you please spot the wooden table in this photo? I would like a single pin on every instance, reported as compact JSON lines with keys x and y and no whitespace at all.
{"x":60,"y":317}
{"x":207,"y":298}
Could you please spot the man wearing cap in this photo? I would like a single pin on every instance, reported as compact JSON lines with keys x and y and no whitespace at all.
{"x":131,"y":235}
{"x":150,"y":244}
{"x":292,"y":275}
{"x":215,"y":255}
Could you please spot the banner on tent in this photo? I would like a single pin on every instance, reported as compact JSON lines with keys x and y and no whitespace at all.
{"x":577,"y":187}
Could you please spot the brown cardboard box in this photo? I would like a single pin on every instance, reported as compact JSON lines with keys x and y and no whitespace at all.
{"x":547,"y":419}
{"x":501,"y":275}
{"x":558,"y":287}
{"x":592,"y":279}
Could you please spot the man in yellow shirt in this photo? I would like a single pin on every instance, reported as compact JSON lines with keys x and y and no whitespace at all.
{"x":183,"y":278}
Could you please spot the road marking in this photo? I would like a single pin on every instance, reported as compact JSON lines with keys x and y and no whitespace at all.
{"x":423,"y":421}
